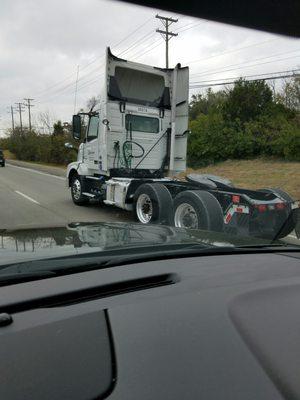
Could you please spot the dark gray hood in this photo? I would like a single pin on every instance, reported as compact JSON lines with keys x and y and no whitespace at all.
{"x":82,"y":238}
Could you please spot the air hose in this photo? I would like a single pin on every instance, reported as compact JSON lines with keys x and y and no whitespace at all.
{"x":127,"y":152}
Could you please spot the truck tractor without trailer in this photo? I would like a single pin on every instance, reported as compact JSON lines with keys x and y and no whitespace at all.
{"x":134,"y":144}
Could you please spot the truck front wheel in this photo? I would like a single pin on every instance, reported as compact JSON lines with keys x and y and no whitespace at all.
{"x":76,"y":191}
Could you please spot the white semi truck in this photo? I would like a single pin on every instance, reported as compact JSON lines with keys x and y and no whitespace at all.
{"x":135,"y":143}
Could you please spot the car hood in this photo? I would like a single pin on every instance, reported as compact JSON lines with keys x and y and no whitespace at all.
{"x":80,"y":238}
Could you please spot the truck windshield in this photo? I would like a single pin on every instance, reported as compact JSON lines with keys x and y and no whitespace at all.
{"x":138,"y":87}
{"x":141,"y":124}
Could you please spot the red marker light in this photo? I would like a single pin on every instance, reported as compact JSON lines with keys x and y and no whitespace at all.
{"x":261,"y":207}
{"x":280,"y":206}
{"x":235,"y":199}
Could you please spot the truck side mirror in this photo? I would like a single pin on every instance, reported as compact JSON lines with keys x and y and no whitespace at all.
{"x":76,"y":127}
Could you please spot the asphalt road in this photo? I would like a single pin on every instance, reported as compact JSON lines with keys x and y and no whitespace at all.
{"x":35,"y":198}
{"x":39,"y":197}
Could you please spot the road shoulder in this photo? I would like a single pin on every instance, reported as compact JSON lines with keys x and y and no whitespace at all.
{"x":57,"y":171}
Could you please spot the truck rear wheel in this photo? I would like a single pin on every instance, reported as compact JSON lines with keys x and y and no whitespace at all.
{"x":76,"y":191}
{"x":153,"y":204}
{"x":198,"y":209}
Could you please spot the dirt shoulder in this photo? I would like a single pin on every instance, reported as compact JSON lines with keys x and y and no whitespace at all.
{"x":257,"y":174}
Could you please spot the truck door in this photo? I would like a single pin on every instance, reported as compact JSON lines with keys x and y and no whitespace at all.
{"x":90,"y":155}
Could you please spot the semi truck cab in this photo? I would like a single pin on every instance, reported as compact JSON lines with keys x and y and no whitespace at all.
{"x":140,"y":126}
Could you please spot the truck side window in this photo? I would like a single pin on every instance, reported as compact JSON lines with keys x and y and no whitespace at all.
{"x":92,"y":132}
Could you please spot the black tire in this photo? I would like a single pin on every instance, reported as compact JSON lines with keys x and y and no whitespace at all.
{"x":76,"y":191}
{"x":160,"y":208}
{"x":205,"y":211}
{"x":297,"y":227}
{"x":3,"y":164}
{"x":288,"y":223}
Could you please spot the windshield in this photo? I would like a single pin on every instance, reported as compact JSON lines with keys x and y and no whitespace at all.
{"x":127,"y":128}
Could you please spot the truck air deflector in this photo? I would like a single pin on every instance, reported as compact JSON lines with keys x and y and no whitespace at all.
{"x":138,"y":87}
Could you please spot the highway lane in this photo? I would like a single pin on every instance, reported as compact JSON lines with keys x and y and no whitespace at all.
{"x":30,"y":197}
{"x":33,"y":198}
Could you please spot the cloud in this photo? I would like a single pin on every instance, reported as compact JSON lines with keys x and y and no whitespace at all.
{"x":42,"y":42}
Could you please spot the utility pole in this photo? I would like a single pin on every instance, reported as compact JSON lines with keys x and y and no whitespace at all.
{"x":12,"y":118}
{"x":167,"y":35}
{"x":20,"y":110}
{"x":29,"y":105}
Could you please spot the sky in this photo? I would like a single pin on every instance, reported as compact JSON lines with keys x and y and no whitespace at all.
{"x":44,"y":43}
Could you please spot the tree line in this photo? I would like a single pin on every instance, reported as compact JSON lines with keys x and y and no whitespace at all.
{"x":246,"y":121}
{"x":41,"y":147}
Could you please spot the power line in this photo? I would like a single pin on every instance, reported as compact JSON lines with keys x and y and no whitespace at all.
{"x":156,"y":44}
{"x":133,"y":32}
{"x":121,"y":41}
{"x":167,"y":35}
{"x":88,"y":64}
{"x":69,"y":85}
{"x":249,"y":76}
{"x":137,"y":43}
{"x":250,"y":66}
{"x":90,"y":81}
{"x":29,"y":105}
{"x":150,"y":44}
{"x":146,"y":37}
{"x":249,"y":80}
{"x":190,"y":27}
{"x":232,"y":51}
{"x":209,"y":71}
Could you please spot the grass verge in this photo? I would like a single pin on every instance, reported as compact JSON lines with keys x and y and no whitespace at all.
{"x":258,"y":174}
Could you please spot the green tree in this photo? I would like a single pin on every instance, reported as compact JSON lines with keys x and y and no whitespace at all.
{"x":290,"y":94}
{"x":243,"y":122}
{"x":58,"y":128}
{"x":247,"y":101}
{"x":206,"y":103}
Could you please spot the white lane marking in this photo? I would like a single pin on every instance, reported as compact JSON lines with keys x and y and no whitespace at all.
{"x":37,"y":172}
{"x":26,"y":197}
